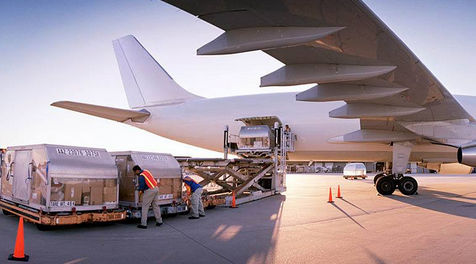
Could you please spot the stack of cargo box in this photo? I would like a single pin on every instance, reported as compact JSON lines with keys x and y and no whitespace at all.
{"x":165,"y":169}
{"x":57,"y":178}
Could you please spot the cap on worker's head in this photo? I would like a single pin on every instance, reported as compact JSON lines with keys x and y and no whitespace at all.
{"x":136,"y":168}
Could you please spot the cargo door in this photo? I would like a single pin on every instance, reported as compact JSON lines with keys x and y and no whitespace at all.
{"x":21,"y":175}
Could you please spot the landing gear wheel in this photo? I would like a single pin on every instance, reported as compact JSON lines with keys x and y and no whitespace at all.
{"x":408,"y":186}
{"x":385,"y":186}
{"x":378,"y":176}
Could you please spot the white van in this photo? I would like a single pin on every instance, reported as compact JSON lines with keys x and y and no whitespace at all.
{"x":355,"y":170}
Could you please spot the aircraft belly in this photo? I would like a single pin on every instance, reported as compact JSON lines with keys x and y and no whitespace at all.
{"x":201,"y":124}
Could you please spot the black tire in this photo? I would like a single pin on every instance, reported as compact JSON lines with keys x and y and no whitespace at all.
{"x":43,"y":227}
{"x":211,"y":207}
{"x":385,"y":186}
{"x":171,"y":215}
{"x":378,"y":176}
{"x":408,"y":186}
{"x":5,"y":212}
{"x":185,"y":212}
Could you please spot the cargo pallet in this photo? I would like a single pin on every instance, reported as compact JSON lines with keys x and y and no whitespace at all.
{"x":56,"y":219}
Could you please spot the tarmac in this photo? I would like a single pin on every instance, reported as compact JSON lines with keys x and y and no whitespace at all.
{"x":299,"y":226}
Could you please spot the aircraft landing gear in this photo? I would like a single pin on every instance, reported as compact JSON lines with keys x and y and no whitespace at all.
{"x":408,"y":186}
{"x":386,"y":184}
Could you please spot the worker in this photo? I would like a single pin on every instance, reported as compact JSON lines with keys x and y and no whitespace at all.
{"x":149,"y":187}
{"x":196,"y":197}
{"x":287,"y":128}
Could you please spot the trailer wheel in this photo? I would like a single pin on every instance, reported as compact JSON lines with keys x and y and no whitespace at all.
{"x":43,"y":227}
{"x":171,"y":215}
{"x":185,"y":212}
{"x":5,"y":212}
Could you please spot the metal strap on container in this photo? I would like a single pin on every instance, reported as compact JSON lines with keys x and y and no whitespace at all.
{"x":9,"y":174}
{"x":47,"y":174}
{"x":29,"y":172}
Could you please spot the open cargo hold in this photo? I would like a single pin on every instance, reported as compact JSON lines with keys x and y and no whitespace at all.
{"x":60,"y":185}
{"x":165,"y":169}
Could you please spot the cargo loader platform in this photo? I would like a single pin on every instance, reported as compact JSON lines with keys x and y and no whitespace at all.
{"x":258,"y":172}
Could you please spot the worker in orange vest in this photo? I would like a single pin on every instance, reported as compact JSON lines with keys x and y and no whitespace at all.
{"x":149,"y":187}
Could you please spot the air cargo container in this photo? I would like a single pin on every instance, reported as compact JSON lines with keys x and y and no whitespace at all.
{"x":166,"y":170}
{"x":60,"y":185}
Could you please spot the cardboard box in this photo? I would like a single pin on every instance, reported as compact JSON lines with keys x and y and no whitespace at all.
{"x":36,"y":197}
{"x":110,"y":190}
{"x":73,"y":192}
{"x":110,"y":194}
{"x":96,"y":182}
{"x":166,"y":189}
{"x":110,"y":183}
{"x":165,"y":182}
{"x":57,"y":196}
{"x":111,"y":197}
{"x":96,"y":196}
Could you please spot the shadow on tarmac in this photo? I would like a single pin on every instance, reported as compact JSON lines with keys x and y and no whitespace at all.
{"x":440,"y":201}
{"x":346,"y":214}
{"x":257,"y":245}
{"x":435,"y":200}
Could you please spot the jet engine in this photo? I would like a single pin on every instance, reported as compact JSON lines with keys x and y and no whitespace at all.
{"x":467,"y":155}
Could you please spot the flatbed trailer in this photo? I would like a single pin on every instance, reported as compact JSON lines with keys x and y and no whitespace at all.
{"x":54,"y":185}
{"x":61,"y":218}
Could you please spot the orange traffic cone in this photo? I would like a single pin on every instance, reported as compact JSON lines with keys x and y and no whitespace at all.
{"x":19,"y":253}
{"x":338,"y":192}
{"x":233,"y":201}
{"x":330,"y":196}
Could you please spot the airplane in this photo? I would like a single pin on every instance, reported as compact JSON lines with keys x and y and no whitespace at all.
{"x":374,"y":100}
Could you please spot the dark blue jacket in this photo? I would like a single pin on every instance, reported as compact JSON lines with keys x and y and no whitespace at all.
{"x":193,"y":185}
{"x":142,"y":185}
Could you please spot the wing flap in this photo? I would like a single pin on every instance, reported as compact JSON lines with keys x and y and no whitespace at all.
{"x":364,"y":41}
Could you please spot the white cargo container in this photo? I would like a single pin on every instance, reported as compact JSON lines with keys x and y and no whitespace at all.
{"x":43,"y":182}
{"x":165,"y":169}
{"x":355,"y":170}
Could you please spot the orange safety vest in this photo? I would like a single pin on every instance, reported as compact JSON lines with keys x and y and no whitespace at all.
{"x":149,"y":179}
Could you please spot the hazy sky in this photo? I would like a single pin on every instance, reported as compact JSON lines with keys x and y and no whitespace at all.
{"x":61,"y":50}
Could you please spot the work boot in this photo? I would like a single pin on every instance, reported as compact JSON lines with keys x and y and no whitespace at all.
{"x":158,"y":224}
{"x":194,"y":217}
{"x":201,"y":215}
{"x":142,"y":227}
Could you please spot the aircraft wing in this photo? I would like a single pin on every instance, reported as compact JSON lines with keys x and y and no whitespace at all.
{"x":342,"y":46}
